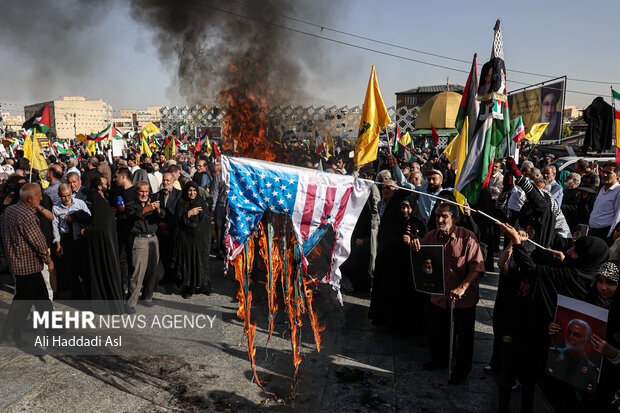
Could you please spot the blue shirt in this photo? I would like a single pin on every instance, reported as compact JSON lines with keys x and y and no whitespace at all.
{"x":425,"y":203}
{"x":60,"y":224}
{"x":557,"y":192}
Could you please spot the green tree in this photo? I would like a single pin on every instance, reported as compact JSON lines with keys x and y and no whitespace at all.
{"x":567,"y":130}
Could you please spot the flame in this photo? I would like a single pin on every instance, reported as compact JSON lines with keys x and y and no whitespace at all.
{"x":243,"y":267}
{"x":316,"y":328}
{"x":274,"y":268}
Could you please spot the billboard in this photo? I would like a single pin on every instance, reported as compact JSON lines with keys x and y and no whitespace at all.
{"x":540,"y":105}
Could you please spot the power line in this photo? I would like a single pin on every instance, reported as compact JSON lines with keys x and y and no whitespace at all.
{"x":322,"y":27}
{"x":363,"y":47}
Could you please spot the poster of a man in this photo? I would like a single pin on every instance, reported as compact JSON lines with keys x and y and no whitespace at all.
{"x":550,"y":96}
{"x":571,"y":357}
{"x":428,"y":269}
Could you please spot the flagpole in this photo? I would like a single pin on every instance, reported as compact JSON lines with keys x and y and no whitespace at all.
{"x":31,"y":151}
{"x":461,"y":205}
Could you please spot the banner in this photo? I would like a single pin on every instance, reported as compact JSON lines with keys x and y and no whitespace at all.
{"x":543,"y":104}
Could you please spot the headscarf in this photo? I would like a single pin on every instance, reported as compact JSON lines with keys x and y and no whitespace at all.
{"x":610,"y":270}
{"x":592,"y":252}
{"x":196,"y":202}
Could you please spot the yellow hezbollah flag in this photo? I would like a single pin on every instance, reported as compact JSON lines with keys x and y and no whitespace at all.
{"x":374,"y":118}
{"x":32,"y":152}
{"x":536,"y":132}
{"x":171,"y":149}
{"x":406,"y":139}
{"x":149,"y":129}
{"x":461,"y":152}
{"x":80,"y":137}
{"x":144,"y":149}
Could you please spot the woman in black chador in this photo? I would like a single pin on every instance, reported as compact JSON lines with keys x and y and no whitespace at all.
{"x":192,"y":242}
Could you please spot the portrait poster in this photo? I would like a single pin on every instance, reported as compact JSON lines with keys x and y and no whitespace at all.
{"x":542,"y":104}
{"x":571,"y":357}
{"x":427,"y":268}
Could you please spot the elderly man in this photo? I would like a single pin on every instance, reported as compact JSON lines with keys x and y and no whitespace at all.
{"x":26,"y":250}
{"x":571,"y":362}
{"x":431,"y":185}
{"x":549,"y":172}
{"x":144,"y":217}
{"x":606,"y":211}
{"x":70,"y":216}
{"x":75,"y":183}
{"x":167,"y":197}
{"x":73,"y":163}
{"x":463,"y":265}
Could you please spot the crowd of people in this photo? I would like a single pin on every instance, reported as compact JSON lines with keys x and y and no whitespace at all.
{"x":117,"y":229}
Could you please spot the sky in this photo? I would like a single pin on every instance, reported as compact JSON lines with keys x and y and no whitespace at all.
{"x":101,"y":52}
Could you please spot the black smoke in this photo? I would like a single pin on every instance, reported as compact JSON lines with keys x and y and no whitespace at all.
{"x":214,"y":49}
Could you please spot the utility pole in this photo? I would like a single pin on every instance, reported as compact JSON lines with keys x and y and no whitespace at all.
{"x":74,"y":124}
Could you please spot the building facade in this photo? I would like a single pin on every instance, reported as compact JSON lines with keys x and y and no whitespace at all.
{"x":72,"y":115}
{"x":420,"y":95}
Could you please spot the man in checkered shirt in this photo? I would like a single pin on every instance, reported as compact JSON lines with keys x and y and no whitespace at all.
{"x":26,"y":250}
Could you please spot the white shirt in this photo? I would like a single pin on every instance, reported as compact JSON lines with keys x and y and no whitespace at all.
{"x":606,"y":210}
{"x":133,"y":169}
{"x":517,"y":198}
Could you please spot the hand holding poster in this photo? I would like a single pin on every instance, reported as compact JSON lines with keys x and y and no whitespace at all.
{"x":427,"y":266}
{"x":571,"y":356}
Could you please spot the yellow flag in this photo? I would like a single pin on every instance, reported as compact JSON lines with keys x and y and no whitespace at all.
{"x":536,"y":132}
{"x":208,"y":147}
{"x":171,"y":149}
{"x":452,"y":149}
{"x":32,"y":152}
{"x":149,"y":129}
{"x":461,"y":153}
{"x":91,"y":147}
{"x":144,"y":149}
{"x":405,"y":139}
{"x":80,"y":137}
{"x":329,"y":144}
{"x":374,"y":118}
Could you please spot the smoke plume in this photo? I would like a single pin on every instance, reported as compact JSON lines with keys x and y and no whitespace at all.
{"x":215,"y":50}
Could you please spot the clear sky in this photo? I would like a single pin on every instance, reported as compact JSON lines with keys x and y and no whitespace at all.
{"x":107,"y":55}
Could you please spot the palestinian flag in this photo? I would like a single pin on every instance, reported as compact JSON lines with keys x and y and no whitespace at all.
{"x":492,"y":129}
{"x":403,"y":146}
{"x":616,"y":105}
{"x":109,"y":132}
{"x":40,"y":120}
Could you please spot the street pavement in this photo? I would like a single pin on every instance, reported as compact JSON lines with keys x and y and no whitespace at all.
{"x":359,"y":369}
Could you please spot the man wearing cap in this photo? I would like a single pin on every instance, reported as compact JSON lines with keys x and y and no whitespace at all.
{"x":431,"y":185}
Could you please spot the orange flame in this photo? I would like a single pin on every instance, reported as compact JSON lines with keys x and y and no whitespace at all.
{"x":316,"y":328}
{"x":243,"y":265}
{"x":275,"y":269}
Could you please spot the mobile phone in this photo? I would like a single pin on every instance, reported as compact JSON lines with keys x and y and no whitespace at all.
{"x":153,"y":197}
{"x":582,"y":231}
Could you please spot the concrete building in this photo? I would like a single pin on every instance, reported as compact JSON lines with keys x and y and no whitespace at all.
{"x":12,"y":123}
{"x":135,"y":120}
{"x":420,"y":95}
{"x":572,"y":112}
{"x":74,"y":114}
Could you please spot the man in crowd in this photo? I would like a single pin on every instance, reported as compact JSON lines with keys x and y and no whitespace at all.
{"x":606,"y":212}
{"x":75,"y":183}
{"x":218,"y":191}
{"x":54,"y":177}
{"x":549,"y":173}
{"x":27,"y":252}
{"x":91,"y":171}
{"x":143,"y":217}
{"x":124,"y":195}
{"x":462,"y":267}
{"x":167,"y":197}
{"x":202,"y":176}
{"x":70,"y":216}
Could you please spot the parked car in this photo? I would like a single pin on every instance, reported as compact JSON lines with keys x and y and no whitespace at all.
{"x":570,"y":162}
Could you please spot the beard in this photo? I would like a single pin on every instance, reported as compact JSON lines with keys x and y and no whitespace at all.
{"x":427,"y":271}
{"x":552,"y":123}
{"x":432,"y":188}
{"x":573,"y":347}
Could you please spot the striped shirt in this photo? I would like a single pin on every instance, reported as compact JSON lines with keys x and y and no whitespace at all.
{"x":24,"y":243}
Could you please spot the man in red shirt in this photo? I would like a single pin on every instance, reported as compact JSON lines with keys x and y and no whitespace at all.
{"x":463,"y":263}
